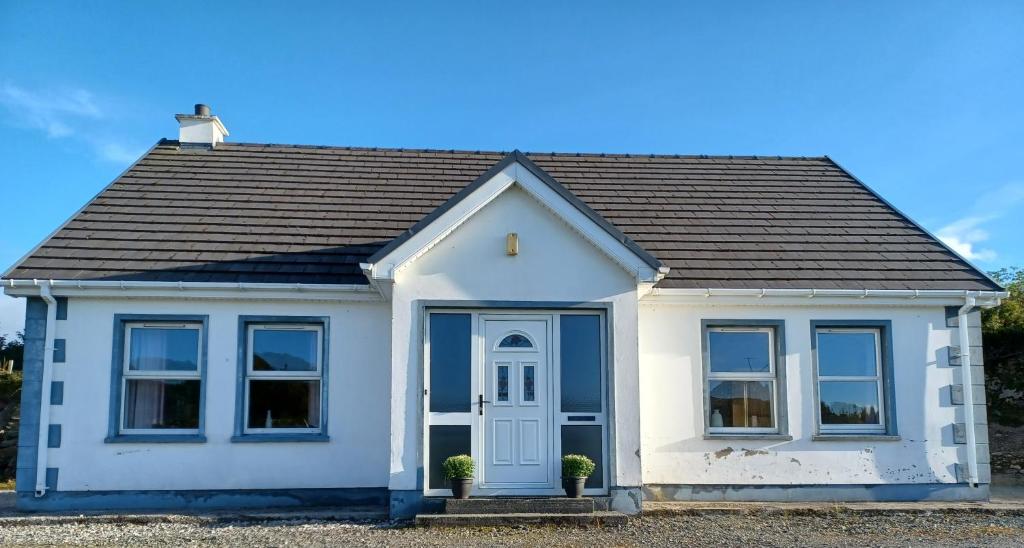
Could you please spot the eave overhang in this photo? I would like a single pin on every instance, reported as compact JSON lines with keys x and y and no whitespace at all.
{"x":818,"y":297}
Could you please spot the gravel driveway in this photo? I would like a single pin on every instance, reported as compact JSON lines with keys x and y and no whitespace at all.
{"x":756,"y":528}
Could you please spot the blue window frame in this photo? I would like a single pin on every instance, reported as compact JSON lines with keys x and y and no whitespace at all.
{"x":853,"y":377}
{"x":282,"y":382}
{"x":744,"y":378}
{"x":158,"y":379}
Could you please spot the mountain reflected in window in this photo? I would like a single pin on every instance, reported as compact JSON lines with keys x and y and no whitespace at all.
{"x":284,"y":350}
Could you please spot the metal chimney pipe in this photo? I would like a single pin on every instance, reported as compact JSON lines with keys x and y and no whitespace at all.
{"x":202,"y":110}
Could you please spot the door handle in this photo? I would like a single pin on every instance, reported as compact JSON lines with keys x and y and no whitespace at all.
{"x":481,"y":402}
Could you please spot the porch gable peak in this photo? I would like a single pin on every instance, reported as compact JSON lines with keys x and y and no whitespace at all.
{"x":514,"y":170}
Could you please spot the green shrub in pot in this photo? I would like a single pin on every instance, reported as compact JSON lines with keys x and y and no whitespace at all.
{"x":575,"y":471}
{"x":458,"y":470}
{"x":577,"y":466}
{"x":458,"y":467}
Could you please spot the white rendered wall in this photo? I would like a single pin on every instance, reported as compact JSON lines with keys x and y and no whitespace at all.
{"x":355,"y":456}
{"x":554,"y":264}
{"x":674,"y":448}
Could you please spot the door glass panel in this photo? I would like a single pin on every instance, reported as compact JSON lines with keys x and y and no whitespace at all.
{"x":445,"y":441}
{"x":515,"y":340}
{"x":529,"y":386}
{"x":502,"y":383}
{"x":585,"y":440}
{"x":581,"y":363}
{"x":450,"y":351}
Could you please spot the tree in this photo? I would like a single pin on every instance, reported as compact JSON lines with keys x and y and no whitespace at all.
{"x":1003,"y":332}
{"x":12,"y":349}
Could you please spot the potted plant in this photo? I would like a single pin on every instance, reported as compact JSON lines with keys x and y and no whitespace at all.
{"x":458,"y":470}
{"x":575,"y":471}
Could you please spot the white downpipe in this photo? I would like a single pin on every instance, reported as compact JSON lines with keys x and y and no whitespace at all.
{"x":44,"y":396}
{"x":965,"y":378}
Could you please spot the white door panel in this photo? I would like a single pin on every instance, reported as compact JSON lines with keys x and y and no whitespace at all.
{"x":530,"y":441}
{"x":502,"y":446}
{"x":517,"y":412}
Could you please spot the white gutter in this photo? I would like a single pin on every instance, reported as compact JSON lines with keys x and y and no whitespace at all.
{"x":689,"y":294}
{"x":226,"y":290}
{"x":87,"y":284}
{"x":968,"y":385}
{"x":44,"y":396}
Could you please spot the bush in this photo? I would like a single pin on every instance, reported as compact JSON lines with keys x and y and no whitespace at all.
{"x":9,"y":385}
{"x":458,"y":467}
{"x":1003,"y":335}
{"x":577,"y":466}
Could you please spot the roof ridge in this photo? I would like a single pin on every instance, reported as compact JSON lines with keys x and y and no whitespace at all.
{"x":527,"y":153}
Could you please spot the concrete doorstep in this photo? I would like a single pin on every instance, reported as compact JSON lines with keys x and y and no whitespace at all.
{"x":497,"y":520}
{"x":498,"y":511}
{"x":520,"y":506}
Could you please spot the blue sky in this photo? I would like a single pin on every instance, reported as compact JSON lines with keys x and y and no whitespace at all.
{"x":921,"y":100}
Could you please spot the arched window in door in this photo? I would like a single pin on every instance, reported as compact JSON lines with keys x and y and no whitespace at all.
{"x":516,"y":341}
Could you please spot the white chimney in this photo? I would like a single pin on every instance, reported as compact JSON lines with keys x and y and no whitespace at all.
{"x":200,"y":128}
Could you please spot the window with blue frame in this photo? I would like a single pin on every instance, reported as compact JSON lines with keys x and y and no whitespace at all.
{"x":741,"y":379}
{"x":851,"y":389}
{"x":159,"y":378}
{"x":284,"y":372}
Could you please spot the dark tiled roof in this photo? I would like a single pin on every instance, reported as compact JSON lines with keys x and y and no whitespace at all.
{"x":278,"y":213}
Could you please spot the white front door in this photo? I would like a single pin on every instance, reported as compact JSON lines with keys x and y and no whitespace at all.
{"x":516,"y":408}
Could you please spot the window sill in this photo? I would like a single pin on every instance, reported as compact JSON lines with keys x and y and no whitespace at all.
{"x":280,"y":438}
{"x":771,"y":437}
{"x":156,"y":438}
{"x":855,"y":437}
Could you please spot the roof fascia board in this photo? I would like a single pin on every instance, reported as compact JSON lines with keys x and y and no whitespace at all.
{"x":194,"y":290}
{"x":823,"y":297}
{"x":515,"y":168}
{"x":915,"y":223}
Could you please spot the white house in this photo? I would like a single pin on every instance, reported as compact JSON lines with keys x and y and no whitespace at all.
{"x":261,"y":325}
